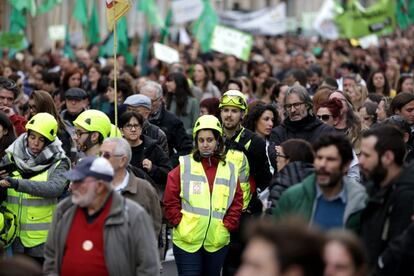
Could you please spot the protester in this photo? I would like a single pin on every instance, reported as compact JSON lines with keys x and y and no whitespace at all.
{"x":368,"y":114}
{"x":96,"y":231}
{"x":118,"y":152}
{"x":75,"y":101}
{"x":403,"y":105}
{"x":180,"y":100}
{"x":146,"y":154}
{"x":344,"y":254}
{"x":286,"y":248}
{"x":8,"y":94}
{"x":327,"y":199}
{"x":329,"y":112}
{"x":7,"y":135}
{"x":203,"y":212}
{"x":202,"y":80}
{"x":261,"y":119}
{"x":294,"y":159}
{"x":34,"y":182}
{"x":210,"y":106}
{"x":142,"y":105}
{"x":406,"y":84}
{"x":179,"y":143}
{"x":300,"y":123}
{"x":389,"y":208}
{"x":92,"y":127}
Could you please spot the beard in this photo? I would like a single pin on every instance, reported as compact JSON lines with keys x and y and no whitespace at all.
{"x":334,"y":178}
{"x":83,"y":200}
{"x":378,"y":174}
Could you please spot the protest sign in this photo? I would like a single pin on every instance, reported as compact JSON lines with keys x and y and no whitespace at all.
{"x":232,"y":42}
{"x":57,"y":32}
{"x":165,"y":53}
{"x":11,"y":40}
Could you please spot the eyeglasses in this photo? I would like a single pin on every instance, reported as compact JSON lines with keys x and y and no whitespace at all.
{"x":324,"y":117}
{"x":131,"y":126}
{"x":79,"y":132}
{"x":294,"y":105}
{"x":232,"y":100}
{"x":108,"y":155}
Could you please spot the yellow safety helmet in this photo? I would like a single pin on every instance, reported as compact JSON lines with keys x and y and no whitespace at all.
{"x":115,"y":132}
{"x":207,"y":122}
{"x":234,"y":98}
{"x":8,"y":226}
{"x":44,"y":124}
{"x":94,"y":120}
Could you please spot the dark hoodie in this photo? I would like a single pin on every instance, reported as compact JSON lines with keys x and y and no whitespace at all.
{"x":309,"y":128}
{"x":291,"y":174}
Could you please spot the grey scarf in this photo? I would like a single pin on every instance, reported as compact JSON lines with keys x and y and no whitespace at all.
{"x":28,"y":163}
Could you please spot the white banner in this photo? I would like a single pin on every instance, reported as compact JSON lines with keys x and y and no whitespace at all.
{"x":263,"y":22}
{"x":186,"y":10}
{"x":232,"y":42}
{"x":324,"y":22}
{"x":165,"y":53}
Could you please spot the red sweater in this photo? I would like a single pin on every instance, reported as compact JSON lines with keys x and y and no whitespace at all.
{"x":19,"y":123}
{"x":84,"y":250}
{"x":172,"y":199}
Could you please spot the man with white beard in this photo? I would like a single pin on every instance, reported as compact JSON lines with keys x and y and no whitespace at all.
{"x":76,"y":243}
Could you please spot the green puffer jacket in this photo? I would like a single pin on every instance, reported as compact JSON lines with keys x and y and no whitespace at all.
{"x":300,"y":200}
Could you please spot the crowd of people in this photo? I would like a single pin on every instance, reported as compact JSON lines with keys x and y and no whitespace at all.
{"x":230,"y":162}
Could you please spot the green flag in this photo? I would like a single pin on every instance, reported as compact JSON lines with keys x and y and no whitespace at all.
{"x":143,"y":53}
{"x":47,"y":5}
{"x":357,"y":21}
{"x":122,"y":32}
{"x":17,"y":21}
{"x":405,"y":13}
{"x":151,"y":11}
{"x":204,"y":26}
{"x":165,"y":31}
{"x":28,"y":5}
{"x":93,"y":25}
{"x":67,"y":48}
{"x":80,"y":12}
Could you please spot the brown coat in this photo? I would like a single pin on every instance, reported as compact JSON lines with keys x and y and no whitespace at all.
{"x":143,"y":193}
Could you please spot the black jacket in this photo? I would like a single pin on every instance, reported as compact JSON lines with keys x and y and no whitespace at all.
{"x":157,"y":134}
{"x":179,"y":143}
{"x":256,"y":155}
{"x":309,"y":128}
{"x":388,"y":213}
{"x":398,"y":258}
{"x":291,"y":174}
{"x":160,"y":162}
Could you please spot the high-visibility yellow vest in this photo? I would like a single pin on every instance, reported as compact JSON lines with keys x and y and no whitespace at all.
{"x":240,"y":160}
{"x":34,"y":214}
{"x":203,"y":212}
{"x":242,"y":167}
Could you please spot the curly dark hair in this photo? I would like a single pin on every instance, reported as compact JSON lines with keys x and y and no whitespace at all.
{"x":256,"y":110}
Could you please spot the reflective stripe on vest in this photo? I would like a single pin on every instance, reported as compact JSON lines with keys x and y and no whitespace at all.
{"x":34,"y":214}
{"x":243,"y":168}
{"x":203,"y":212}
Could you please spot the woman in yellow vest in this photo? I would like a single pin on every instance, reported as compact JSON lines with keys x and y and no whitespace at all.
{"x":203,"y":201}
{"x":35,"y":165}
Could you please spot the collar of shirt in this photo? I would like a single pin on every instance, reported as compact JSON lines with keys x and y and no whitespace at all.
{"x":341,"y":195}
{"x":123,"y":184}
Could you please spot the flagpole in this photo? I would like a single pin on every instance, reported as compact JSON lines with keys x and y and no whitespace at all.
{"x":115,"y":73}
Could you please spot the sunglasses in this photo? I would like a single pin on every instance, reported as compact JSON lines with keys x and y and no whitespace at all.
{"x":324,"y":117}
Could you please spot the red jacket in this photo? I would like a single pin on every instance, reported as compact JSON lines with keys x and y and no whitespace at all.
{"x":172,"y":199}
{"x":19,"y":123}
